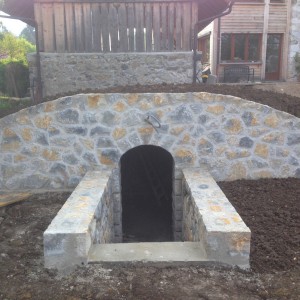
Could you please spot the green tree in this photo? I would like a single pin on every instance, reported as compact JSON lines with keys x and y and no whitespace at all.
{"x":14,"y":74}
{"x":28,"y":33}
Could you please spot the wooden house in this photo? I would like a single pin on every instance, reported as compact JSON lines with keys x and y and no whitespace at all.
{"x":255,"y":34}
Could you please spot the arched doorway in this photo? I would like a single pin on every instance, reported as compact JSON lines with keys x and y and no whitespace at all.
{"x":146,"y":182}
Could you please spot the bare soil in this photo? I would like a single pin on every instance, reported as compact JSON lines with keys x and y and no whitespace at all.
{"x":270,"y":207}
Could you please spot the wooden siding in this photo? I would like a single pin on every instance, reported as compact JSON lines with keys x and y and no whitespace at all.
{"x":244,"y":18}
{"x":278,"y":17}
{"x":249,"y":17}
{"x":107,"y":26}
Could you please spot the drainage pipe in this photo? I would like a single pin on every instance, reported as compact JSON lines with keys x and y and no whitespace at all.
{"x":196,"y":56}
{"x":39,"y":94}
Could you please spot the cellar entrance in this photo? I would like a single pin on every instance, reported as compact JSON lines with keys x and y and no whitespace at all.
{"x":146,"y":181}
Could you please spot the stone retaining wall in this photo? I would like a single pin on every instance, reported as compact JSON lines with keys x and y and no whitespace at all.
{"x":53,"y":145}
{"x":209,"y":218}
{"x":86,"y":218}
{"x":72,"y":73}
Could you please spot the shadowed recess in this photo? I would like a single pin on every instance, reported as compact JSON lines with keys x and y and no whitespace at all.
{"x":146,"y":181}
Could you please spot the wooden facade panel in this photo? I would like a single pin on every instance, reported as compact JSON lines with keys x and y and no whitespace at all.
{"x":110,"y":26}
{"x":149,"y":26}
{"x":122,"y":19}
{"x":96,"y":28}
{"x":48,"y":27}
{"x":278,"y":18}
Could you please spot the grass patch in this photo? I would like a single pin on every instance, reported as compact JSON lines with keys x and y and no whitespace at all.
{"x":10,"y":103}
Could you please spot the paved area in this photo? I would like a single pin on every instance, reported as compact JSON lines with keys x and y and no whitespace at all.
{"x":148,"y":252}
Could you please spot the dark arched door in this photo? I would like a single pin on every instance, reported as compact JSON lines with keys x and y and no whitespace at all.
{"x":146,"y":181}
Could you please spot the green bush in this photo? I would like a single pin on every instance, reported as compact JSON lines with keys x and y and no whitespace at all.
{"x":14,"y":73}
{"x":14,"y":78}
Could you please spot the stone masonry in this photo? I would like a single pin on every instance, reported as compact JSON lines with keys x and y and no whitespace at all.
{"x":209,"y":218}
{"x":73,"y":73}
{"x":294,"y":39}
{"x":54,"y":144}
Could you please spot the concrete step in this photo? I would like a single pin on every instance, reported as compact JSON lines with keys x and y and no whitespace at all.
{"x":148,"y":252}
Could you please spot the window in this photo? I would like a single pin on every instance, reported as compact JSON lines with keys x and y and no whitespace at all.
{"x":239,"y":47}
{"x":204,"y":46}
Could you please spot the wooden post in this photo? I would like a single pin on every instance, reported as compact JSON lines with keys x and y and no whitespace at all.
{"x":265,"y":39}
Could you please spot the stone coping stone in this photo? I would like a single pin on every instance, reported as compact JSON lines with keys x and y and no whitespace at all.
{"x":225,"y":236}
{"x":68,"y":238}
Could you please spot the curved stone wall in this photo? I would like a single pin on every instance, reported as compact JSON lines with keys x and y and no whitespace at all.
{"x":52,"y":145}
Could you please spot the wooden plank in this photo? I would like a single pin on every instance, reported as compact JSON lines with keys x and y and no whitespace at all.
{"x":171,"y":27}
{"x":59,"y":21}
{"x":193,"y":22}
{"x":113,"y":27}
{"x":148,"y":25}
{"x":122,"y":14}
{"x":79,"y":28}
{"x":48,"y":27}
{"x":104,"y":26}
{"x":114,"y":1}
{"x":10,"y":198}
{"x":39,"y":22}
{"x":156,"y":26}
{"x":164,"y":19}
{"x":131,"y":25}
{"x":186,"y":34}
{"x":96,"y":28}
{"x":87,"y":23}
{"x":70,"y":27}
{"x":178,"y":24}
{"x":139,"y":14}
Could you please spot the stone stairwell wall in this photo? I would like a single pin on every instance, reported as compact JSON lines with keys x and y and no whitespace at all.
{"x":53,"y":145}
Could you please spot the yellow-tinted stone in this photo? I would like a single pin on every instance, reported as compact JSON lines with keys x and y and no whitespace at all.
{"x":50,"y":155}
{"x":177,"y":130}
{"x":224,"y":220}
{"x":43,"y":122}
{"x":50,"y":106}
{"x":23,"y":119}
{"x":119,"y":133}
{"x":215,"y":208}
{"x":89,"y":144}
{"x":234,"y":126}
{"x":145,"y":106}
{"x":119,"y":106}
{"x":159,"y":100}
{"x":262,"y":150}
{"x":274,"y":137}
{"x":237,"y":171}
{"x":237,"y":154}
{"x":105,"y":160}
{"x":12,"y":146}
{"x":95,"y":101}
{"x":216,"y":109}
{"x":146,"y":130}
{"x":132,"y":98}
{"x":239,"y":243}
{"x":186,"y":138}
{"x":271,"y":121}
{"x":263,"y":174}
{"x":26,"y":134}
{"x":19,"y":158}
{"x":7,"y":132}
{"x":236,"y":219}
{"x":185,"y":155}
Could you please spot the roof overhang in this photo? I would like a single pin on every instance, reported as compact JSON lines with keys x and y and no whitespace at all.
{"x":24,"y":9}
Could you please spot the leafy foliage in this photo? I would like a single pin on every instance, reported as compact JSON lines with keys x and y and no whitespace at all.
{"x":297,"y":62}
{"x":14,"y":74}
{"x":28,"y":33}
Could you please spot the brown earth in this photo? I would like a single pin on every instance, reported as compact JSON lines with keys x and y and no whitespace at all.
{"x":270,"y":207}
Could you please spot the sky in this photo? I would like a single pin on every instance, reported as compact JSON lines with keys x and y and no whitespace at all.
{"x":14,"y":26}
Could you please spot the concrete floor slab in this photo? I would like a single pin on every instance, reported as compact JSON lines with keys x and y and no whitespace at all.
{"x":148,"y":252}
